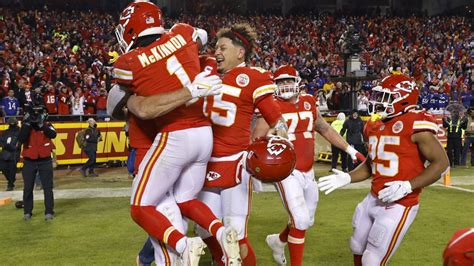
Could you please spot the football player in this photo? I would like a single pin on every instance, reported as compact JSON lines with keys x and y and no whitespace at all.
{"x":401,"y":140}
{"x":299,"y":191}
{"x":160,"y":64}
{"x":228,"y":187}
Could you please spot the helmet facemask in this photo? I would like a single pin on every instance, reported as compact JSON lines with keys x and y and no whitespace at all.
{"x":287,"y":87}
{"x":382,"y":102}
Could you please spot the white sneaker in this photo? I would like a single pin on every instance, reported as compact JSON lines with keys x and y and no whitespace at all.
{"x":278,"y":249}
{"x":231,"y":247}
{"x":193,"y":252}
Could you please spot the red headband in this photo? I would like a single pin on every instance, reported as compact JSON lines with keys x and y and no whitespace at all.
{"x":244,"y":41}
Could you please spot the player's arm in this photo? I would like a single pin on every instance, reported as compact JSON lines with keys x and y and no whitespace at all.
{"x":433,"y":151}
{"x":272,"y":116}
{"x":331,"y":135}
{"x":261,"y":128}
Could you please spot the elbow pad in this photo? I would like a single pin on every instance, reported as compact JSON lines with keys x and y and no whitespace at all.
{"x":117,"y":100}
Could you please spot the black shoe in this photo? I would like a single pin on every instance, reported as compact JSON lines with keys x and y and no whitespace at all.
{"x":48,"y":216}
{"x":92,"y":174}
{"x":10,"y":188}
{"x":27,"y":217}
{"x":83,"y":172}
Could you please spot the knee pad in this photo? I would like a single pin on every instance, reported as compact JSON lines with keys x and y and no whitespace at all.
{"x":239,"y":223}
{"x":356,"y":247}
{"x":377,"y":234}
{"x":300,"y":213}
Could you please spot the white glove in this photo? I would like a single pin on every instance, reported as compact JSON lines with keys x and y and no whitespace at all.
{"x":331,"y":182}
{"x":205,"y":84}
{"x":355,"y":155}
{"x":394,"y":191}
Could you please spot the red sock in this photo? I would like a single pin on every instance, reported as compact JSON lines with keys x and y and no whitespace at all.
{"x":246,"y":253}
{"x":357,"y":260}
{"x":156,"y":224}
{"x":296,"y":246}
{"x":284,"y":234}
{"x":201,"y":214}
{"x":216,"y":250}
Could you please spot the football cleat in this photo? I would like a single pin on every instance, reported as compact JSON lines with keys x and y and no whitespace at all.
{"x":278,"y":249}
{"x":230,"y":246}
{"x":193,"y":251}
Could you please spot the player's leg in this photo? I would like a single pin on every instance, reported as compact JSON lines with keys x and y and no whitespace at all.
{"x":236,"y":203}
{"x":157,"y":174}
{"x":390,"y":226}
{"x":212,"y":198}
{"x":361,"y":224}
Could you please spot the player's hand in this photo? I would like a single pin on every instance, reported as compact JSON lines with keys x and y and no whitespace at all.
{"x":279,"y":130}
{"x":355,"y":155}
{"x":205,"y":84}
{"x":394,"y":191}
{"x":329,"y":183}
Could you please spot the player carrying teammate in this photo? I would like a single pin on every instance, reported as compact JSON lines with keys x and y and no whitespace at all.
{"x":399,"y":145}
{"x":299,"y":191}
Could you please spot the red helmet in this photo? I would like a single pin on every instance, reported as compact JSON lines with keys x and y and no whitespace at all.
{"x":396,"y":94}
{"x":286,"y":91}
{"x":138,"y":19}
{"x":270,"y":159}
{"x":460,"y":248}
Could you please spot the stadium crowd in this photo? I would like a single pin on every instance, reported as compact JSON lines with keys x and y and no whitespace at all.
{"x":65,"y":56}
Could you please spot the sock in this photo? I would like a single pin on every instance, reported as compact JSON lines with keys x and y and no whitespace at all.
{"x":357,"y":260}
{"x":296,"y":246}
{"x":284,"y":234}
{"x":201,"y":214}
{"x":158,"y":226}
{"x":216,"y":250}
{"x":246,"y":253}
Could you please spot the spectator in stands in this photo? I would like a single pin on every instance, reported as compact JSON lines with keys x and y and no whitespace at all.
{"x":468,"y":138}
{"x":101,"y":104}
{"x":49,"y":98}
{"x":77,"y":101}
{"x":354,"y":127}
{"x":424,"y":101}
{"x":337,"y":125}
{"x":10,"y":105}
{"x":10,"y":152}
{"x":454,"y":125}
{"x":362,"y":102}
{"x":466,"y":97}
{"x":89,"y":102}
{"x":443,"y":99}
{"x":92,"y":137}
{"x":63,"y":101}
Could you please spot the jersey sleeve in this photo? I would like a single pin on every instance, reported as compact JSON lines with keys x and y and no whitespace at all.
{"x":263,"y":83}
{"x":425,"y":122}
{"x":186,"y":30}
{"x":122,"y":71}
{"x":209,"y":63}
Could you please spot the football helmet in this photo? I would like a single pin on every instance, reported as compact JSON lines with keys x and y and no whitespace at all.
{"x":138,"y":19}
{"x":270,"y":159}
{"x":286,"y":91}
{"x":394,"y":95}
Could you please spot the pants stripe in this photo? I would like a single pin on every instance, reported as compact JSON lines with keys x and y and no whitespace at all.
{"x":165,"y":253}
{"x":285,"y":202}
{"x":249,"y":205}
{"x":396,"y":235}
{"x":148,"y":168}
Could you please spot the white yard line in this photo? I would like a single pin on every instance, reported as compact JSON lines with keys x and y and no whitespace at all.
{"x":457,"y":188}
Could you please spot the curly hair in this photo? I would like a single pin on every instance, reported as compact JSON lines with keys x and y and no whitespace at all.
{"x":241,"y":34}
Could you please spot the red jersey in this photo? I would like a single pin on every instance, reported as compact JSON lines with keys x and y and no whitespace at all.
{"x":300,"y":118}
{"x":63,"y":104}
{"x":394,"y":156}
{"x":167,"y":64}
{"x":231,"y":112}
{"x":49,"y":98}
{"x":89,"y":103}
{"x":101,"y":102}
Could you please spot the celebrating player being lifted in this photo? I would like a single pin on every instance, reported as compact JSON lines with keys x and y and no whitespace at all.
{"x":299,"y":191}
{"x":400,"y":141}
{"x":228,"y":186}
{"x":160,"y":64}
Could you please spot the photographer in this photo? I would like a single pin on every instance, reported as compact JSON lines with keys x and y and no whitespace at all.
{"x":468,"y":138}
{"x":10,"y":152}
{"x":92,"y":137}
{"x":36,"y":135}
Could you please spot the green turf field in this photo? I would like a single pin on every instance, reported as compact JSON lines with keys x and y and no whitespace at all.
{"x":100,"y":231}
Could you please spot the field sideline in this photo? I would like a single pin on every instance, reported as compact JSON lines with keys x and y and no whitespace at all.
{"x":100,"y":231}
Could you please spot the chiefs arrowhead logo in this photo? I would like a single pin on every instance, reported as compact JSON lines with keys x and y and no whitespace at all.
{"x":211,"y":176}
{"x":276,"y":148}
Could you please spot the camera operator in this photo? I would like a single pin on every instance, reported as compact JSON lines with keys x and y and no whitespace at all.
{"x":468,"y":138}
{"x":36,"y":135}
{"x":10,"y":152}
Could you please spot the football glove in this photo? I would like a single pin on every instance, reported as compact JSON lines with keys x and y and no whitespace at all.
{"x":394,"y":191}
{"x":117,"y":100}
{"x":205,"y":84}
{"x":329,"y":183}
{"x":355,"y":155}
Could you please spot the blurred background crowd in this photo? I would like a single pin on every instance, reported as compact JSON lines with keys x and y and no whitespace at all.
{"x":64,"y":57}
